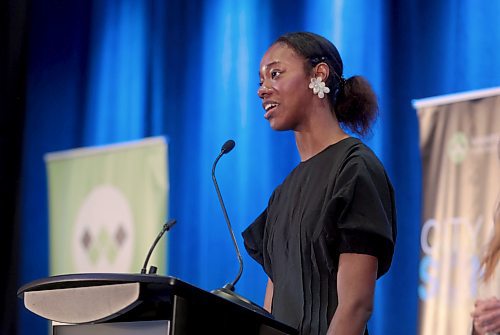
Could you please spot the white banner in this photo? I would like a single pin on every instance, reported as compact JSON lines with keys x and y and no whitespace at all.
{"x":459,"y":139}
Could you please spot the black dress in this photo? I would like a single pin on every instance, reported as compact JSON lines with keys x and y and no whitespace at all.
{"x":339,"y":201}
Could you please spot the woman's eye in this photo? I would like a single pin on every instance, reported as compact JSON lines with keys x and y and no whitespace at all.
{"x":274,"y":74}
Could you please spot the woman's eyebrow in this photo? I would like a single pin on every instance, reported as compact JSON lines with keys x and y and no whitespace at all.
{"x":269,"y":65}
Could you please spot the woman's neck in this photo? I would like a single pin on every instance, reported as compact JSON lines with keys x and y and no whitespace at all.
{"x":320,"y":131}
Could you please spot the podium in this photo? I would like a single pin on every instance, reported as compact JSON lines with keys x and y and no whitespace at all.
{"x":130,"y":304}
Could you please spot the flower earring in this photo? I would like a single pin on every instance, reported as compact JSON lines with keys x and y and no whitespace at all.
{"x":319,"y":87}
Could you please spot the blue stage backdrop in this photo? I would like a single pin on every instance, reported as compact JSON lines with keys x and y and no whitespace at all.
{"x":107,"y":71}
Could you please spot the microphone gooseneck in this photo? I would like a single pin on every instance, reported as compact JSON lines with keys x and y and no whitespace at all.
{"x":227,"y":291}
{"x":226,"y":148}
{"x":166,"y":227}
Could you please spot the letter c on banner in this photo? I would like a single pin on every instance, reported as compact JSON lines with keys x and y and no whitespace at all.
{"x":425,"y":236}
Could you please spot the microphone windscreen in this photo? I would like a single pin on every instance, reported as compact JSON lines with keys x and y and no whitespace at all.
{"x":228,"y":146}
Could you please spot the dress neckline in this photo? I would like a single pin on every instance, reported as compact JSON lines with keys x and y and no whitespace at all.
{"x":327,"y":149}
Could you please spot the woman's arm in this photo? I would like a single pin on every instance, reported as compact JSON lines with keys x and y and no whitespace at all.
{"x":356,"y":278}
{"x":268,"y":299}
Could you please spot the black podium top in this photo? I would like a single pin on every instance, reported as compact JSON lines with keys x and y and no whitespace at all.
{"x":113,"y":297}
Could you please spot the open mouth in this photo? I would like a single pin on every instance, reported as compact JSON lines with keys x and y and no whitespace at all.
{"x":270,"y":106}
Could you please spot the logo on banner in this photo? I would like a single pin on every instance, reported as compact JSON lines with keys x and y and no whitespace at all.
{"x":458,"y":146}
{"x":104,"y":230}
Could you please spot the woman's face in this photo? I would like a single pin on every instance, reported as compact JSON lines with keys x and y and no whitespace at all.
{"x":284,"y":87}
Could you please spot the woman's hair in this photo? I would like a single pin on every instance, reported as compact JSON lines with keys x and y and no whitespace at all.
{"x":492,"y":255}
{"x":353,"y":100}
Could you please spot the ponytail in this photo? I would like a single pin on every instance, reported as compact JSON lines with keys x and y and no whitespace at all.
{"x":356,"y":105}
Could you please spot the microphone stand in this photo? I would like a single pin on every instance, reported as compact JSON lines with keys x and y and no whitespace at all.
{"x":166,"y":227}
{"x":227,"y":291}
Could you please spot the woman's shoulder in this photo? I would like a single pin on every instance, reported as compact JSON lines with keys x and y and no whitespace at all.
{"x":356,"y":154}
{"x":349,"y":155}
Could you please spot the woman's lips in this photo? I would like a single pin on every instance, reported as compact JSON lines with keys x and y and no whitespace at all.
{"x":269,"y":107}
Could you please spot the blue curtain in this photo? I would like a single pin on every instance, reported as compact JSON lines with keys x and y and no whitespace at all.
{"x":117,"y":70}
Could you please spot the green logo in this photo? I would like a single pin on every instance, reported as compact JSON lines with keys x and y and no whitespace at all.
{"x":103,"y":234}
{"x":104,"y":244}
{"x":458,"y":146}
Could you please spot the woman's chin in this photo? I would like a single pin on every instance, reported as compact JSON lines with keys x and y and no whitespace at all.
{"x":277,"y":126}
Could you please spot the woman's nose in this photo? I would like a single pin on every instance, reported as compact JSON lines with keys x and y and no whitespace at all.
{"x":263,"y":91}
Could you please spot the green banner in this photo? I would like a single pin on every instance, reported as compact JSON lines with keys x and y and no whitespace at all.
{"x":107,"y":205}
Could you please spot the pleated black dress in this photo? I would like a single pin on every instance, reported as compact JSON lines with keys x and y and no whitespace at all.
{"x":339,"y":201}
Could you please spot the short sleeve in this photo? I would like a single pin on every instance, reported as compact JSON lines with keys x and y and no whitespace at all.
{"x":253,"y":238}
{"x":366,"y":223}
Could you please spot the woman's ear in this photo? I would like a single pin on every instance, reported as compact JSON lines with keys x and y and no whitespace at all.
{"x":322,"y":70}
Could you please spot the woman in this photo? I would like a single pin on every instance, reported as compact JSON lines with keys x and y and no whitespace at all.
{"x":486,"y":314}
{"x":329,"y":229}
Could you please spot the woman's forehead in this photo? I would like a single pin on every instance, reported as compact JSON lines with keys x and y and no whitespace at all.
{"x":278,"y":54}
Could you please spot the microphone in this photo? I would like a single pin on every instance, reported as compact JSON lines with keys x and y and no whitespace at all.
{"x":166,"y":227}
{"x":227,"y":291}
{"x":226,"y":148}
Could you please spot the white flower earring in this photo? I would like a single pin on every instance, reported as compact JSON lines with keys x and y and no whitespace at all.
{"x":319,"y":87}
